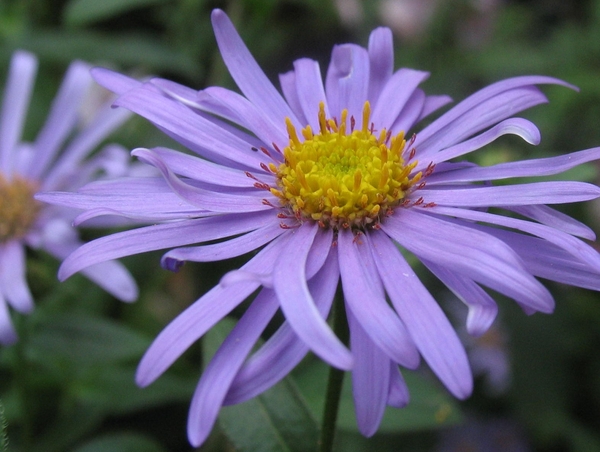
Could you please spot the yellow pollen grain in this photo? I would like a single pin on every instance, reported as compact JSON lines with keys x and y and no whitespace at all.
{"x":18,"y":208}
{"x":343,"y":176}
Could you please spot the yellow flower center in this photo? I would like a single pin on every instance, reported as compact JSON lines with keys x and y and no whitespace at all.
{"x":18,"y":208}
{"x":343,"y":178}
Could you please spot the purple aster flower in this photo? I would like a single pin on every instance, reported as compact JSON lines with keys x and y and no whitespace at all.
{"x":49,"y":163}
{"x":328,"y":182}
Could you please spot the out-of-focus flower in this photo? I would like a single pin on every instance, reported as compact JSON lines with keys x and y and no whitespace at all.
{"x":407,"y":18}
{"x":488,"y":352}
{"x":350,"y":11}
{"x":321,"y":184}
{"x":56,"y":160}
{"x":410,"y":19}
{"x":490,"y":435}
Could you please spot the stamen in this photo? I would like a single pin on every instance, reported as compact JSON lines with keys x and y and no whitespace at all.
{"x":344,"y":178}
{"x":18,"y":208}
{"x":292,"y":132}
{"x":366,"y":116}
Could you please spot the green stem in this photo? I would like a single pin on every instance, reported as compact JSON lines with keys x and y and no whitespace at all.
{"x":21,"y":370}
{"x":335,"y":380}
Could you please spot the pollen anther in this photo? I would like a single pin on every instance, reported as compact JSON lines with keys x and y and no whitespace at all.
{"x":344,"y":178}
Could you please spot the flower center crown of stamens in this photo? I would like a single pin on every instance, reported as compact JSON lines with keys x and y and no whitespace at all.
{"x":343,"y":178}
{"x":18,"y":208}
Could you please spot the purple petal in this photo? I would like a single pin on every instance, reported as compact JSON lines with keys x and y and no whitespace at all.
{"x":205,"y":199}
{"x":284,"y":350}
{"x":200,"y":135}
{"x":158,"y":237}
{"x":410,"y":113}
{"x":113,"y":81}
{"x":381,"y":61}
{"x":150,"y":197}
{"x":484,"y":115}
{"x":558,"y":192}
{"x":482,"y":308}
{"x":289,"y":279}
{"x":180,"y":93}
{"x":502,"y":91}
{"x":266,"y":128}
{"x":202,"y":170}
{"x":12,"y":276}
{"x":515,"y":126}
{"x":218,"y":375}
{"x":370,"y":378}
{"x":433,"y":103}
{"x":311,"y":92}
{"x":426,"y":323}
{"x":398,"y":395}
{"x":353,"y":86}
{"x":19,"y":85}
{"x":476,"y":255}
{"x":523,"y":168}
{"x":547,"y":261}
{"x":555,"y":219}
{"x":251,"y":241}
{"x":247,"y":74}
{"x":572,"y":245}
{"x":206,"y":107}
{"x":288,"y":86}
{"x":316,"y":258}
{"x":201,"y":316}
{"x":363,"y":294}
{"x":395,"y":95}
{"x":319,"y":251}
{"x":347,"y":80}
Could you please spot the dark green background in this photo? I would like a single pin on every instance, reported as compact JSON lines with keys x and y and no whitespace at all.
{"x":68,"y":384}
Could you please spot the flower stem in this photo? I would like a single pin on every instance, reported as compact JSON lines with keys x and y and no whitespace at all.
{"x":335,"y":380}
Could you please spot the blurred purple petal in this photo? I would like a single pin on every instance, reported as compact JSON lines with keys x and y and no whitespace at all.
{"x":19,"y":85}
{"x":13,"y":284}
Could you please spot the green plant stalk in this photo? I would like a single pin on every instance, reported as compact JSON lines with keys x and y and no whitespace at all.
{"x":335,"y":380}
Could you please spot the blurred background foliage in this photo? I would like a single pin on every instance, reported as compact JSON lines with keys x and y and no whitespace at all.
{"x":68,"y":385}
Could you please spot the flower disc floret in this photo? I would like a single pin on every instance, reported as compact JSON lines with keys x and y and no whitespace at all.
{"x":18,"y":208}
{"x":343,"y":178}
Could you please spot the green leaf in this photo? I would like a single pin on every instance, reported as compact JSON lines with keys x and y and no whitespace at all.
{"x":141,"y":51}
{"x":113,"y":390}
{"x":430,"y":406}
{"x":277,"y":420}
{"x":121,"y":442}
{"x":81,"y":12}
{"x":83,"y":339}
{"x":68,"y":427}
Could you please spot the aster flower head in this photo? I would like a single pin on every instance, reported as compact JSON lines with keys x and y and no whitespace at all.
{"x":325,"y":183}
{"x":55,"y":160}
